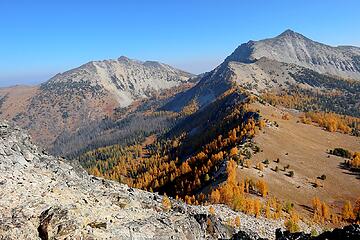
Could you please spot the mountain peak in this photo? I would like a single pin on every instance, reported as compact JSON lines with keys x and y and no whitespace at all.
{"x":124,"y":58}
{"x":289,"y":33}
{"x":124,"y":79}
{"x":295,"y":48}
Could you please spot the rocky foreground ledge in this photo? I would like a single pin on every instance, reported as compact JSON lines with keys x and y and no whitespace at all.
{"x":43,"y":197}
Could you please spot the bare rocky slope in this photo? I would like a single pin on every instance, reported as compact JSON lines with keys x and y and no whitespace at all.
{"x":86,"y":94}
{"x":264,"y":74}
{"x":292,"y":47}
{"x":125,"y":79}
{"x":43,"y":197}
{"x":276,"y":64}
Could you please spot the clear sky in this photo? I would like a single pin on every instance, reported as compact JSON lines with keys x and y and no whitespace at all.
{"x":41,"y":38}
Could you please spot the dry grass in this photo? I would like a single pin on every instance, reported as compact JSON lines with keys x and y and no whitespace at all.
{"x":17,"y":100}
{"x":304,"y":148}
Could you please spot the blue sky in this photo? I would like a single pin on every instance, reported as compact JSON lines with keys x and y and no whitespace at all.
{"x":41,"y":38}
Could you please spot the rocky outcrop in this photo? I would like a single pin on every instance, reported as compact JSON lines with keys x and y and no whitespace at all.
{"x":43,"y":197}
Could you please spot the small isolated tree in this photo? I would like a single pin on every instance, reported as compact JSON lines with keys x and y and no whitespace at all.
{"x":323,"y":177}
{"x":313,"y":232}
{"x":212,"y":210}
{"x":288,"y":207}
{"x":233,"y":152}
{"x":278,"y":211}
{"x":166,"y":202}
{"x":355,"y":162}
{"x":341,"y":152}
{"x":94,"y":171}
{"x":285,"y":117}
{"x":316,"y":204}
{"x":262,"y":124}
{"x":262,"y":187}
{"x":237,"y":221}
{"x":260,"y":166}
{"x":325,"y":212}
{"x":207,"y":178}
{"x":257,"y":207}
{"x":215,"y":196}
{"x":247,"y":163}
{"x":292,"y":223}
{"x":231,"y":171}
{"x":347,"y":212}
{"x":266,"y":161}
{"x":267,"y":210}
{"x":357,"y":210}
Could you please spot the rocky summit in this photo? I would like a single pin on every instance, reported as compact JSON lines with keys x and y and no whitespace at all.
{"x":89,"y":93}
{"x":293,"y":47}
{"x":124,"y":79}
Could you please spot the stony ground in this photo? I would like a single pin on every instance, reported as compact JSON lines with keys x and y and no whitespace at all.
{"x":42,"y":197}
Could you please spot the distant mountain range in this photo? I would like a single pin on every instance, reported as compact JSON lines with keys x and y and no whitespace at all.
{"x":87,"y":94}
{"x":289,"y":59}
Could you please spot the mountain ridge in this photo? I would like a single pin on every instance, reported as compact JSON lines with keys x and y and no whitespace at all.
{"x":124,"y":78}
{"x":274,"y":64}
{"x":293,"y":47}
{"x":85,"y":94}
